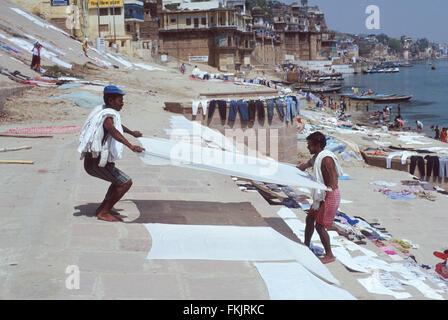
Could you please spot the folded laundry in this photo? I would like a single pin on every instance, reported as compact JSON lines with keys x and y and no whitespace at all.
{"x":383,"y":183}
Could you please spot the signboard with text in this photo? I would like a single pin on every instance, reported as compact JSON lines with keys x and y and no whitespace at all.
{"x":105,"y":3}
{"x":197,"y":59}
{"x":60,"y":3}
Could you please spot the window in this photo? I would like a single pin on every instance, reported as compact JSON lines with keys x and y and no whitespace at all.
{"x":188,"y":21}
{"x":104,"y":28}
{"x":116,"y":11}
{"x":212,"y":19}
{"x":196,"y":22}
{"x":173,"y":20}
{"x":104,"y":11}
{"x":204,"y":20}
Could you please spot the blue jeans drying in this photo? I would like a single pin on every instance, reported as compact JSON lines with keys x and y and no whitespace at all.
{"x":270,"y":103}
{"x":290,"y":109}
{"x":240,"y":105}
{"x":280,"y":103}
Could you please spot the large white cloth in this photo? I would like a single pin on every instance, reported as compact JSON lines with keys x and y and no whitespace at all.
{"x":92,"y":134}
{"x":319,"y":195}
{"x":177,"y":153}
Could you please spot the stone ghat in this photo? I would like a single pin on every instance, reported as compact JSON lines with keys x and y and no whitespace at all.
{"x":275,"y":138}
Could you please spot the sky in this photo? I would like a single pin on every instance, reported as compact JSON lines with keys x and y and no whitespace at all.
{"x":416,"y":19}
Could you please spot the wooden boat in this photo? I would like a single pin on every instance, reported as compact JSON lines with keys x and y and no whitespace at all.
{"x":367,"y":96}
{"x":433,"y":67}
{"x":313,"y":81}
{"x":319,"y":89}
{"x":391,"y":99}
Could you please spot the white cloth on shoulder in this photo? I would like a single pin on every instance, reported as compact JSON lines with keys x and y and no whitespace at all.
{"x":319,"y":195}
{"x":92,"y":134}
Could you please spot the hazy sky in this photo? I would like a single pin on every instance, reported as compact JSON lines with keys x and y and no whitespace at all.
{"x":417,"y":19}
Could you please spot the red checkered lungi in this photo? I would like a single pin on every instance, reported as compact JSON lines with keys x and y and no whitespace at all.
{"x":328,"y":208}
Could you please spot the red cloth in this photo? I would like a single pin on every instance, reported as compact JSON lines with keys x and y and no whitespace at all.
{"x":328,"y":209}
{"x":442,"y":270}
{"x":45,"y":130}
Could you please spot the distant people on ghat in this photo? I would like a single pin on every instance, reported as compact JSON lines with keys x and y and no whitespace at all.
{"x":419,"y":125}
{"x":443,"y":135}
{"x":35,"y":62}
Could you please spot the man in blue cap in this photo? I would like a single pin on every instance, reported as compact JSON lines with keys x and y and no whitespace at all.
{"x":101,"y":143}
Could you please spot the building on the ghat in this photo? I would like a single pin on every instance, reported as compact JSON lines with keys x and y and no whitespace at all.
{"x":225,"y":34}
{"x":208,"y":32}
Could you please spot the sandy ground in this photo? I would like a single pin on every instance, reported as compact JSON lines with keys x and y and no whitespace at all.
{"x":42,"y":199}
{"x":47,"y":217}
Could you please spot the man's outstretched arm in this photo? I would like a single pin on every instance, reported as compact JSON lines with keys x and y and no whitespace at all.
{"x":136,"y":134}
{"x":109,"y":126}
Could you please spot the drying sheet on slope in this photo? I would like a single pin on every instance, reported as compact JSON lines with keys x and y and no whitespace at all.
{"x":235,"y":243}
{"x":291,"y":281}
{"x":224,"y":162}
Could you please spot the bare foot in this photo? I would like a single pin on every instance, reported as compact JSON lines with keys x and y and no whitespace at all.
{"x":327,"y":259}
{"x":106,"y":216}
{"x":98,"y":210}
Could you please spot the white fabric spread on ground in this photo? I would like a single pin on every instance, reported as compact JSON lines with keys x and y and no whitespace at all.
{"x":228,"y":163}
{"x":127,"y":64}
{"x":237,"y":243}
{"x":344,"y":257}
{"x":37,"y":21}
{"x":291,"y":281}
{"x":374,"y":285}
{"x":147,"y":67}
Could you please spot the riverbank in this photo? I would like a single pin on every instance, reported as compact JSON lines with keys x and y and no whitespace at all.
{"x":48,"y":207}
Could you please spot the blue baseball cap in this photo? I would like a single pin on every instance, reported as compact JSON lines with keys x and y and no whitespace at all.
{"x":113,"y":89}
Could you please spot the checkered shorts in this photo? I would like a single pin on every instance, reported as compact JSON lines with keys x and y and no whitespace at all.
{"x":109,"y":172}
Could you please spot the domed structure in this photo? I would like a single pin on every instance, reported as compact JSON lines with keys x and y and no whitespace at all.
{"x":257,"y":11}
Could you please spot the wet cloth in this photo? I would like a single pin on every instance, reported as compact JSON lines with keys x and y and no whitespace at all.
{"x":270,"y":107}
{"x":443,"y":170}
{"x":195,"y":106}
{"x":241,"y":106}
{"x":404,"y":155}
{"x":432,"y":166}
{"x":221,"y":108}
{"x":92,"y":134}
{"x":327,"y":210}
{"x":280,"y":104}
{"x":251,"y":109}
{"x":319,"y":195}
{"x":417,"y":161}
{"x":259,"y":105}
{"x":290,"y":109}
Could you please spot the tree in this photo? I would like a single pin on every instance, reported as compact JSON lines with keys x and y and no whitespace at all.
{"x":395,"y":45}
{"x":422,"y":44}
{"x":382,"y":38}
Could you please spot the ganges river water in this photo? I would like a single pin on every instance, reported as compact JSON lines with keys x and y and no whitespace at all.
{"x":429,"y":90}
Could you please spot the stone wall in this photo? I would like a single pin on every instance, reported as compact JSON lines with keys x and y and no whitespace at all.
{"x":275,"y":138}
{"x":182,"y":45}
{"x":5,"y":93}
